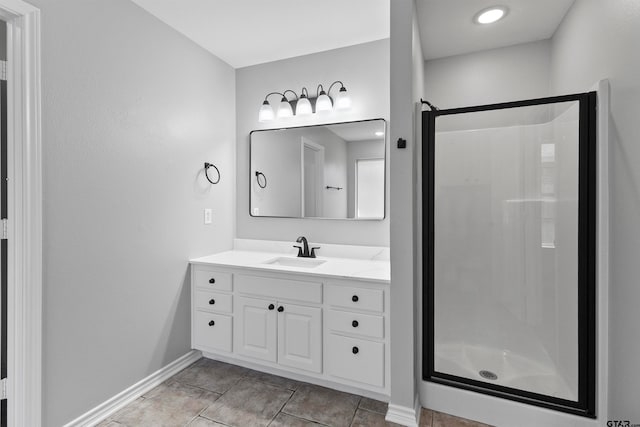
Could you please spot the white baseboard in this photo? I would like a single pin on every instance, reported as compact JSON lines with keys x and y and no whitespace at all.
{"x":404,"y":415}
{"x":122,"y":399}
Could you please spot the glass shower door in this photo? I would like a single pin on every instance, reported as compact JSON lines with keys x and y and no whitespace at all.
{"x":509,"y":250}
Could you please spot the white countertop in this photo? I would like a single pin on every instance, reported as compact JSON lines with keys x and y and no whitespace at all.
{"x":366,"y":263}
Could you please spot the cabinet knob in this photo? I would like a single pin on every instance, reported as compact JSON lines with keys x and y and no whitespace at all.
{"x":212,"y":280}
{"x":354,"y":298}
{"x":271,"y":306}
{"x":355,"y":350}
{"x":211,"y":323}
{"x":212,"y":301}
{"x":354,"y":323}
{"x":280,"y":309}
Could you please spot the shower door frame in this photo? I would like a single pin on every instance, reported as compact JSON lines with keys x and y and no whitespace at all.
{"x":585,"y":405}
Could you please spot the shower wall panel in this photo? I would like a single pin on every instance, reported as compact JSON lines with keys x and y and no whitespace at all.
{"x":505,"y":220}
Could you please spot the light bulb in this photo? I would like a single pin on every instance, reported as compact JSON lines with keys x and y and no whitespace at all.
{"x":284,"y":109}
{"x":266,"y":112}
{"x":323,"y":103}
{"x":491,"y":15}
{"x":303,"y":108}
{"x":343,"y":101}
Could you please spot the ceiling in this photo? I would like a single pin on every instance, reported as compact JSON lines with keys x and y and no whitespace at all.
{"x":359,"y":131}
{"x":447,"y":27}
{"x":249,"y":32}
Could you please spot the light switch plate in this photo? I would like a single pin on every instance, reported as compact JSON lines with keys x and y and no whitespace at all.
{"x":208,"y":216}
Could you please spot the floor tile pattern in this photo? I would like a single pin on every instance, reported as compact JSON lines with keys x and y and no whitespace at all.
{"x":215,"y":394}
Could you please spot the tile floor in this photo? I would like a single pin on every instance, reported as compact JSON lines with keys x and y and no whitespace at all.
{"x":214,"y":394}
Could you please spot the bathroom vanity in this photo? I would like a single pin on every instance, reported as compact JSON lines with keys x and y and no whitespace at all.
{"x":321,"y":320}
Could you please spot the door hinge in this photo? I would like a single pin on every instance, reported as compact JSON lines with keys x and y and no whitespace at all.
{"x":3,"y":389}
{"x":5,"y":229}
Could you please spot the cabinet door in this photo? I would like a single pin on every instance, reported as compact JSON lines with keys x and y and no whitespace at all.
{"x":300,"y":337}
{"x":255,"y":331}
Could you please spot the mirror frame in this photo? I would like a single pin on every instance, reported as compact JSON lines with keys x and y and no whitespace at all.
{"x":386,"y":161}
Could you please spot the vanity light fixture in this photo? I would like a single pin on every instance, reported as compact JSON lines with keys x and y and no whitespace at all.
{"x":323,"y":102}
{"x":284,"y":109}
{"x":343,"y":100}
{"x":266,"y":112}
{"x":303,"y":105}
{"x":491,"y":15}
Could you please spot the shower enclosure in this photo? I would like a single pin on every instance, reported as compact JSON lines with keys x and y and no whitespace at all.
{"x":509,"y":250}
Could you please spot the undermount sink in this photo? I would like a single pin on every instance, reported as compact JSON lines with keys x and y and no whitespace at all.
{"x":296,"y":262}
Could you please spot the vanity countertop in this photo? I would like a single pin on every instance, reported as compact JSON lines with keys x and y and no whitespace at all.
{"x":371,"y":264}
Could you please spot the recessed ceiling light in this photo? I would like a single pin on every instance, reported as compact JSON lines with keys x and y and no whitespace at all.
{"x":379,"y":133}
{"x":490,"y":15}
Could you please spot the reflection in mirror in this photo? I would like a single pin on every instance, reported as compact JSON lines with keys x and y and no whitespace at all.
{"x":324,"y":171}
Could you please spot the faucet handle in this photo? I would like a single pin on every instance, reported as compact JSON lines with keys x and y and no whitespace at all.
{"x":299,"y":250}
{"x":313,"y":252}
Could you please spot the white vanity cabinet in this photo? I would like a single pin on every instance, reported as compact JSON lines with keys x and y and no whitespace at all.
{"x":331,"y":331}
{"x":300,"y":337}
{"x":285,"y":333}
{"x":356,"y":336}
{"x":211,"y":302}
{"x":256,"y":331}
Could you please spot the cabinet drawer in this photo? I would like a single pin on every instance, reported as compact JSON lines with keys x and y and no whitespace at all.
{"x":212,"y":279}
{"x":356,"y":323}
{"x":212,"y":301}
{"x":279,"y":288}
{"x":211,"y":331}
{"x":355,"y":298}
{"x":355,"y":359}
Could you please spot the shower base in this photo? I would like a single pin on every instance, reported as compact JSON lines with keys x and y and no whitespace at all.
{"x":510,"y":369}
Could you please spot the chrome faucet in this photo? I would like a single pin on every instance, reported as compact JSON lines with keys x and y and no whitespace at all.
{"x":303,"y":251}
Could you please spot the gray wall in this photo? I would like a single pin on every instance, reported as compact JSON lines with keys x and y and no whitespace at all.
{"x":364,"y":70}
{"x":496,"y":75}
{"x":130,"y":113}
{"x":406,"y":88}
{"x":3,"y":40}
{"x":277,"y":156}
{"x":599,"y":39}
{"x":334,"y":203}
{"x":417,"y":92}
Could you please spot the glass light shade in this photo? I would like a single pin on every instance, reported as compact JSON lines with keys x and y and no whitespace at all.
{"x":303,"y":108}
{"x":266,"y":112}
{"x":323,"y":103}
{"x":343,"y":101}
{"x":284,"y":109}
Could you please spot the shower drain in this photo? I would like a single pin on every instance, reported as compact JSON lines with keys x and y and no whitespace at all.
{"x":488,"y":375}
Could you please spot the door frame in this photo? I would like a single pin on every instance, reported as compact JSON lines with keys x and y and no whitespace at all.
{"x":24,"y":314}
{"x":319,"y":160}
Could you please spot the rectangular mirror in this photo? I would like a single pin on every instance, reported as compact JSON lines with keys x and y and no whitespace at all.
{"x":325,"y":171}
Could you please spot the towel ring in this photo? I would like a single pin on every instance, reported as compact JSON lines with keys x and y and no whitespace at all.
{"x":264,"y":178}
{"x":208,"y":165}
